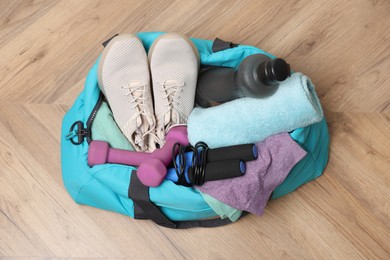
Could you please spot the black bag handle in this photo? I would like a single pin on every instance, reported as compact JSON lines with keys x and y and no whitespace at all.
{"x":145,"y":209}
{"x":107,"y":41}
{"x":220,"y":45}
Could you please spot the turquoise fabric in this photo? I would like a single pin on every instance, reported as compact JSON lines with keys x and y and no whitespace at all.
{"x":315,"y":140}
{"x":105,"y":129}
{"x":106,"y":186}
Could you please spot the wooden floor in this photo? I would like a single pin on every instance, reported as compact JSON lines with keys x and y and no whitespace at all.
{"x":46,"y":50}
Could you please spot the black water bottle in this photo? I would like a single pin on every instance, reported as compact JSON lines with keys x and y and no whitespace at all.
{"x":257,"y":76}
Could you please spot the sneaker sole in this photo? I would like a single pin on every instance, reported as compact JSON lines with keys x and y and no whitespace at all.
{"x":173,"y":35}
{"x":106,"y":50}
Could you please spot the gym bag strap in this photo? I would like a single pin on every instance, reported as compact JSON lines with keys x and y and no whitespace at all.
{"x":145,"y":209}
{"x":216,"y":222}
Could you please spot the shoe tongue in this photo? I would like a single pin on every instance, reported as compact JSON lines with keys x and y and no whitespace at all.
{"x":139,"y":121}
{"x":144,"y":122}
{"x":175,"y":116}
{"x":171,"y":116}
{"x":170,"y":119}
{"x":167,"y":118}
{"x":138,"y":94}
{"x":171,"y":90}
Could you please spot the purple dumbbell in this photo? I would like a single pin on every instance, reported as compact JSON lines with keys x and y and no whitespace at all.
{"x":152,"y":166}
{"x":153,"y":171}
{"x":99,"y":152}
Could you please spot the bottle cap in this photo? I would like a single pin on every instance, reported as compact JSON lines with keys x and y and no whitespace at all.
{"x":277,"y":70}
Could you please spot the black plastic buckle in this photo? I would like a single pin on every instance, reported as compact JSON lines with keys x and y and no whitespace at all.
{"x":80,"y":132}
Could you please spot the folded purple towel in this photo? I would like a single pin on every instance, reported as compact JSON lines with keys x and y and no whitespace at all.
{"x":277,"y":156}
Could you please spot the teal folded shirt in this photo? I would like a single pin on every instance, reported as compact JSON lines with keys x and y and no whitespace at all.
{"x":105,"y":129}
{"x":223,"y":210}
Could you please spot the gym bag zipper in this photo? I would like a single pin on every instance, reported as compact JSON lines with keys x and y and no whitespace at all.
{"x":82,"y":132}
{"x":92,"y":117}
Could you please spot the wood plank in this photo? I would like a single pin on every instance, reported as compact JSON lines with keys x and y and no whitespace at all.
{"x":36,"y":208}
{"x":16,"y":16}
{"x":47,"y":49}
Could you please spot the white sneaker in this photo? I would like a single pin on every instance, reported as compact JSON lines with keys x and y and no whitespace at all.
{"x":174,"y":65}
{"x":124,"y":79}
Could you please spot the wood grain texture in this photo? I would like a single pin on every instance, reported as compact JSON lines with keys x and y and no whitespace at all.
{"x":46,"y":50}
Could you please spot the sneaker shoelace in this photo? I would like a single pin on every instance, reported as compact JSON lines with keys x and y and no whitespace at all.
{"x":171,"y":89}
{"x":136,"y":90}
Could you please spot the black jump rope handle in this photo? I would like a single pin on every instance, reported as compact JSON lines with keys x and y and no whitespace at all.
{"x":244,"y":152}
{"x":215,"y":164}
{"x":218,"y":171}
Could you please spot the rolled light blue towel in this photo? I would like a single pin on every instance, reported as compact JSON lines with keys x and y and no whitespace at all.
{"x":249,"y":120}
